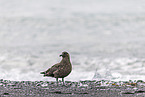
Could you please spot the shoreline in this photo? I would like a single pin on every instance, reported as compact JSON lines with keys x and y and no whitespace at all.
{"x":71,"y":89}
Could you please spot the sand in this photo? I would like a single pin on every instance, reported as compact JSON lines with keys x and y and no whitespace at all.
{"x":71,"y":89}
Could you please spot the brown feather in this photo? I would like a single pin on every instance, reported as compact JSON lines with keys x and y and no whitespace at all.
{"x":60,"y":70}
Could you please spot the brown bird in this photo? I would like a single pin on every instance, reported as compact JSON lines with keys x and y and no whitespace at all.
{"x":60,"y":70}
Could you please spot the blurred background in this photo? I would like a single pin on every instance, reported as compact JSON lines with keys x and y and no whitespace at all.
{"x":105,"y":38}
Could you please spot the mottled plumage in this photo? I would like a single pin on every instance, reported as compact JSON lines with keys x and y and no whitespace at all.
{"x":60,"y":70}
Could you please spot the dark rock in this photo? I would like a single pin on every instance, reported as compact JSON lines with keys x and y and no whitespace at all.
{"x":5,"y":93}
{"x":140,"y":91}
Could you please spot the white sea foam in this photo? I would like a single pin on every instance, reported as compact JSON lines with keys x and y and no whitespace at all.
{"x":84,"y":68}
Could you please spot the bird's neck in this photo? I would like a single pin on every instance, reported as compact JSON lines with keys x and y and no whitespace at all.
{"x":66,"y":59}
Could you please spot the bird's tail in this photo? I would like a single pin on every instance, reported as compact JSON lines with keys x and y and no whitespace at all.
{"x":42,"y":72}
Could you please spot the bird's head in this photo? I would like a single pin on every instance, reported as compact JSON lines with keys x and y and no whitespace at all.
{"x":64,"y":54}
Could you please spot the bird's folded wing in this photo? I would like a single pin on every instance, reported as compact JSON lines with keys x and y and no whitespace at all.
{"x":53,"y":68}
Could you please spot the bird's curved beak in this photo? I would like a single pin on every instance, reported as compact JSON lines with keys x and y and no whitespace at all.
{"x":60,"y":55}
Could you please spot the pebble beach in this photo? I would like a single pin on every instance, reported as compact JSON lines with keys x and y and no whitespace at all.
{"x":86,"y":88}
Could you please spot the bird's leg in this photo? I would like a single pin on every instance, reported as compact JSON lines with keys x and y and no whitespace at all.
{"x":63,"y":81}
{"x":57,"y":81}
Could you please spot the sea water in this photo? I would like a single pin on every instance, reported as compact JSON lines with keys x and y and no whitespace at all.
{"x":105,"y":38}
